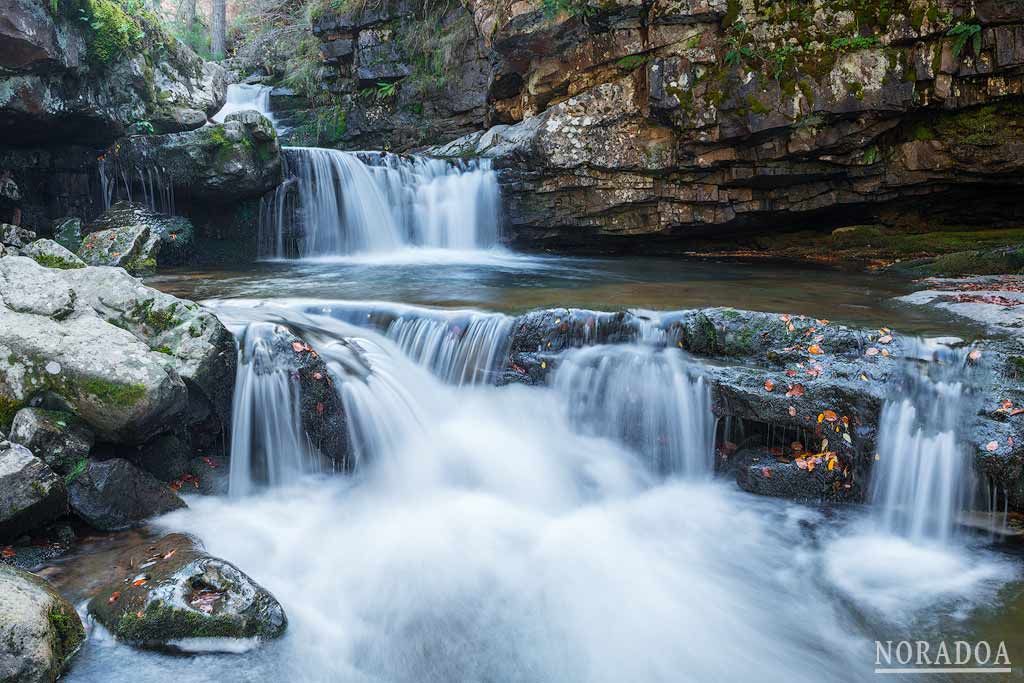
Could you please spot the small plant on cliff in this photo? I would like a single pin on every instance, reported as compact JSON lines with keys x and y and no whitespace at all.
{"x":965,"y":33}
{"x":553,"y":8}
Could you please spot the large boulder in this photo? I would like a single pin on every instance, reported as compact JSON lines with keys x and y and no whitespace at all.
{"x":52,"y":255}
{"x":14,"y":236}
{"x":30,"y":493}
{"x":64,"y":80}
{"x":39,"y":630}
{"x":169,"y":593}
{"x":129,"y":361}
{"x":57,"y":438}
{"x":114,"y":494}
{"x":226,"y":162}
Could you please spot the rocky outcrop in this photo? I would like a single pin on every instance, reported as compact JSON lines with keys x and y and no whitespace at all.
{"x":648,"y":126}
{"x":220,"y":163}
{"x":57,"y":438}
{"x":172,"y":595}
{"x":31,"y":495}
{"x":39,"y":632}
{"x":129,"y":361}
{"x":93,"y":80}
{"x":114,"y":494}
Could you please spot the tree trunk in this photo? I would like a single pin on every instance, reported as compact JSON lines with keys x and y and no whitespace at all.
{"x":218,"y":28}
{"x":186,"y":13}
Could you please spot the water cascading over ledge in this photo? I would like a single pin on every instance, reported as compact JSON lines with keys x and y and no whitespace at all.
{"x":342,"y":203}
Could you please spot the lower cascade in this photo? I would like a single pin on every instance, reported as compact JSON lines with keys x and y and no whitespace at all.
{"x":344,"y":203}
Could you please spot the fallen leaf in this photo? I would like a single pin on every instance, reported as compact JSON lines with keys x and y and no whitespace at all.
{"x":814,"y":350}
{"x":790,"y":373}
{"x":801,"y":463}
{"x":992,"y":446}
{"x":795,"y":391}
{"x":317,"y":376}
{"x":871,"y":352}
{"x":297,"y":346}
{"x":886,"y":339}
{"x":847,"y":439}
{"x":974,"y":355}
{"x":792,"y":411}
{"x":831,"y":464}
{"x":766,"y":473}
{"x":830,"y":415}
{"x":864,"y":377}
{"x":810,"y":465}
{"x":169,"y":554}
{"x":7,"y":552}
{"x":113,"y":597}
{"x":769,"y":385}
{"x":140,"y":580}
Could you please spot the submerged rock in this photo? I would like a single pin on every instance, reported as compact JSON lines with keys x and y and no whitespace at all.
{"x":39,"y":630}
{"x":114,"y":494}
{"x":52,"y":255}
{"x":30,"y":493}
{"x":57,"y":438}
{"x":173,"y":595}
{"x":175,"y":235}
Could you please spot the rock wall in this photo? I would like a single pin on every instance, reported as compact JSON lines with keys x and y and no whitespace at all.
{"x":650,"y":124}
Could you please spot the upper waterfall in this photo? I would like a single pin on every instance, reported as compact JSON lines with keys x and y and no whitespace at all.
{"x":241,"y":97}
{"x":342,"y":203}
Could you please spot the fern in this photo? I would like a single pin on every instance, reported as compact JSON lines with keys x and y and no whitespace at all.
{"x":962,"y":34}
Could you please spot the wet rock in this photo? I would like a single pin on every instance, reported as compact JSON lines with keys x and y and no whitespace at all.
{"x":128,"y":360}
{"x":114,"y":494}
{"x":173,"y":595}
{"x":129,"y":247}
{"x":67,"y":232}
{"x":760,"y":472}
{"x":175,"y":234}
{"x":52,"y":255}
{"x":57,"y":438}
{"x":167,"y":457}
{"x":235,"y":160}
{"x":39,"y":632}
{"x":31,"y":495}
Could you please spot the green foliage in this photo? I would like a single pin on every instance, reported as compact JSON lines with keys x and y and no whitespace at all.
{"x":196,"y":35}
{"x":113,"y":31}
{"x":144,"y":127}
{"x":852,"y":43}
{"x":630,"y":62}
{"x":554,"y":8}
{"x":121,"y":395}
{"x":965,"y":33}
{"x":52,"y":261}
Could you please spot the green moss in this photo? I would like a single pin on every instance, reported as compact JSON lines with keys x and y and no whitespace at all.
{"x":157,"y":320}
{"x":8,"y":408}
{"x":631,"y":62}
{"x":76,"y":471}
{"x":113,"y":32}
{"x":986,"y":126}
{"x":165,"y":350}
{"x":52,"y":261}
{"x":161,"y":622}
{"x":923,"y":133}
{"x":758,"y":107}
{"x":68,"y":632}
{"x":122,"y":395}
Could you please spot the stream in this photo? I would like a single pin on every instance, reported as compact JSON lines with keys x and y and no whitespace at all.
{"x":568,"y":532}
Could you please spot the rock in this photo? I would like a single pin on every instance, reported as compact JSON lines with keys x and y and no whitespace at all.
{"x":52,"y":255}
{"x":222,"y":163}
{"x":67,"y":232}
{"x":114,"y":494}
{"x":129,"y":247}
{"x":175,"y":234}
{"x":129,"y":361}
{"x":60,"y":83}
{"x":31,"y":495}
{"x":57,"y":438}
{"x":186,"y":599}
{"x":13,"y":236}
{"x":39,"y":632}
{"x":757,"y":471}
{"x":167,"y":457}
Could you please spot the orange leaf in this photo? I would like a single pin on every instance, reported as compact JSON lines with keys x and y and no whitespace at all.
{"x":113,"y":597}
{"x":766,"y":473}
{"x":297,"y":346}
{"x":790,"y":373}
{"x":795,"y":391}
{"x":830,"y":415}
{"x":814,"y":350}
{"x":7,"y":552}
{"x":885,"y":339}
{"x":872,"y":351}
{"x":831,"y":464}
{"x":769,"y":385}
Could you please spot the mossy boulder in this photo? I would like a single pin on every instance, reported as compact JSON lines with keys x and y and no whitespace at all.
{"x":39,"y":630}
{"x":170,"y":593}
{"x":128,"y":246}
{"x":52,"y":255}
{"x":67,"y":232}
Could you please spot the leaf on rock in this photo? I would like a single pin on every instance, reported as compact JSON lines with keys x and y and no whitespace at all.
{"x":814,"y":350}
{"x":769,"y":385}
{"x":795,"y":391}
{"x":992,"y":446}
{"x":766,"y":473}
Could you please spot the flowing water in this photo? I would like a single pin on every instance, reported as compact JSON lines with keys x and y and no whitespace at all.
{"x":565,"y":532}
{"x":242,"y":97}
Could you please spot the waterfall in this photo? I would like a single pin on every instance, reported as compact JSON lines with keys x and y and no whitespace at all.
{"x":460,"y":347}
{"x":150,"y":185}
{"x":242,"y":97}
{"x":268,"y":444}
{"x":343,"y":203}
{"x":923,"y":478}
{"x":647,"y":398}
